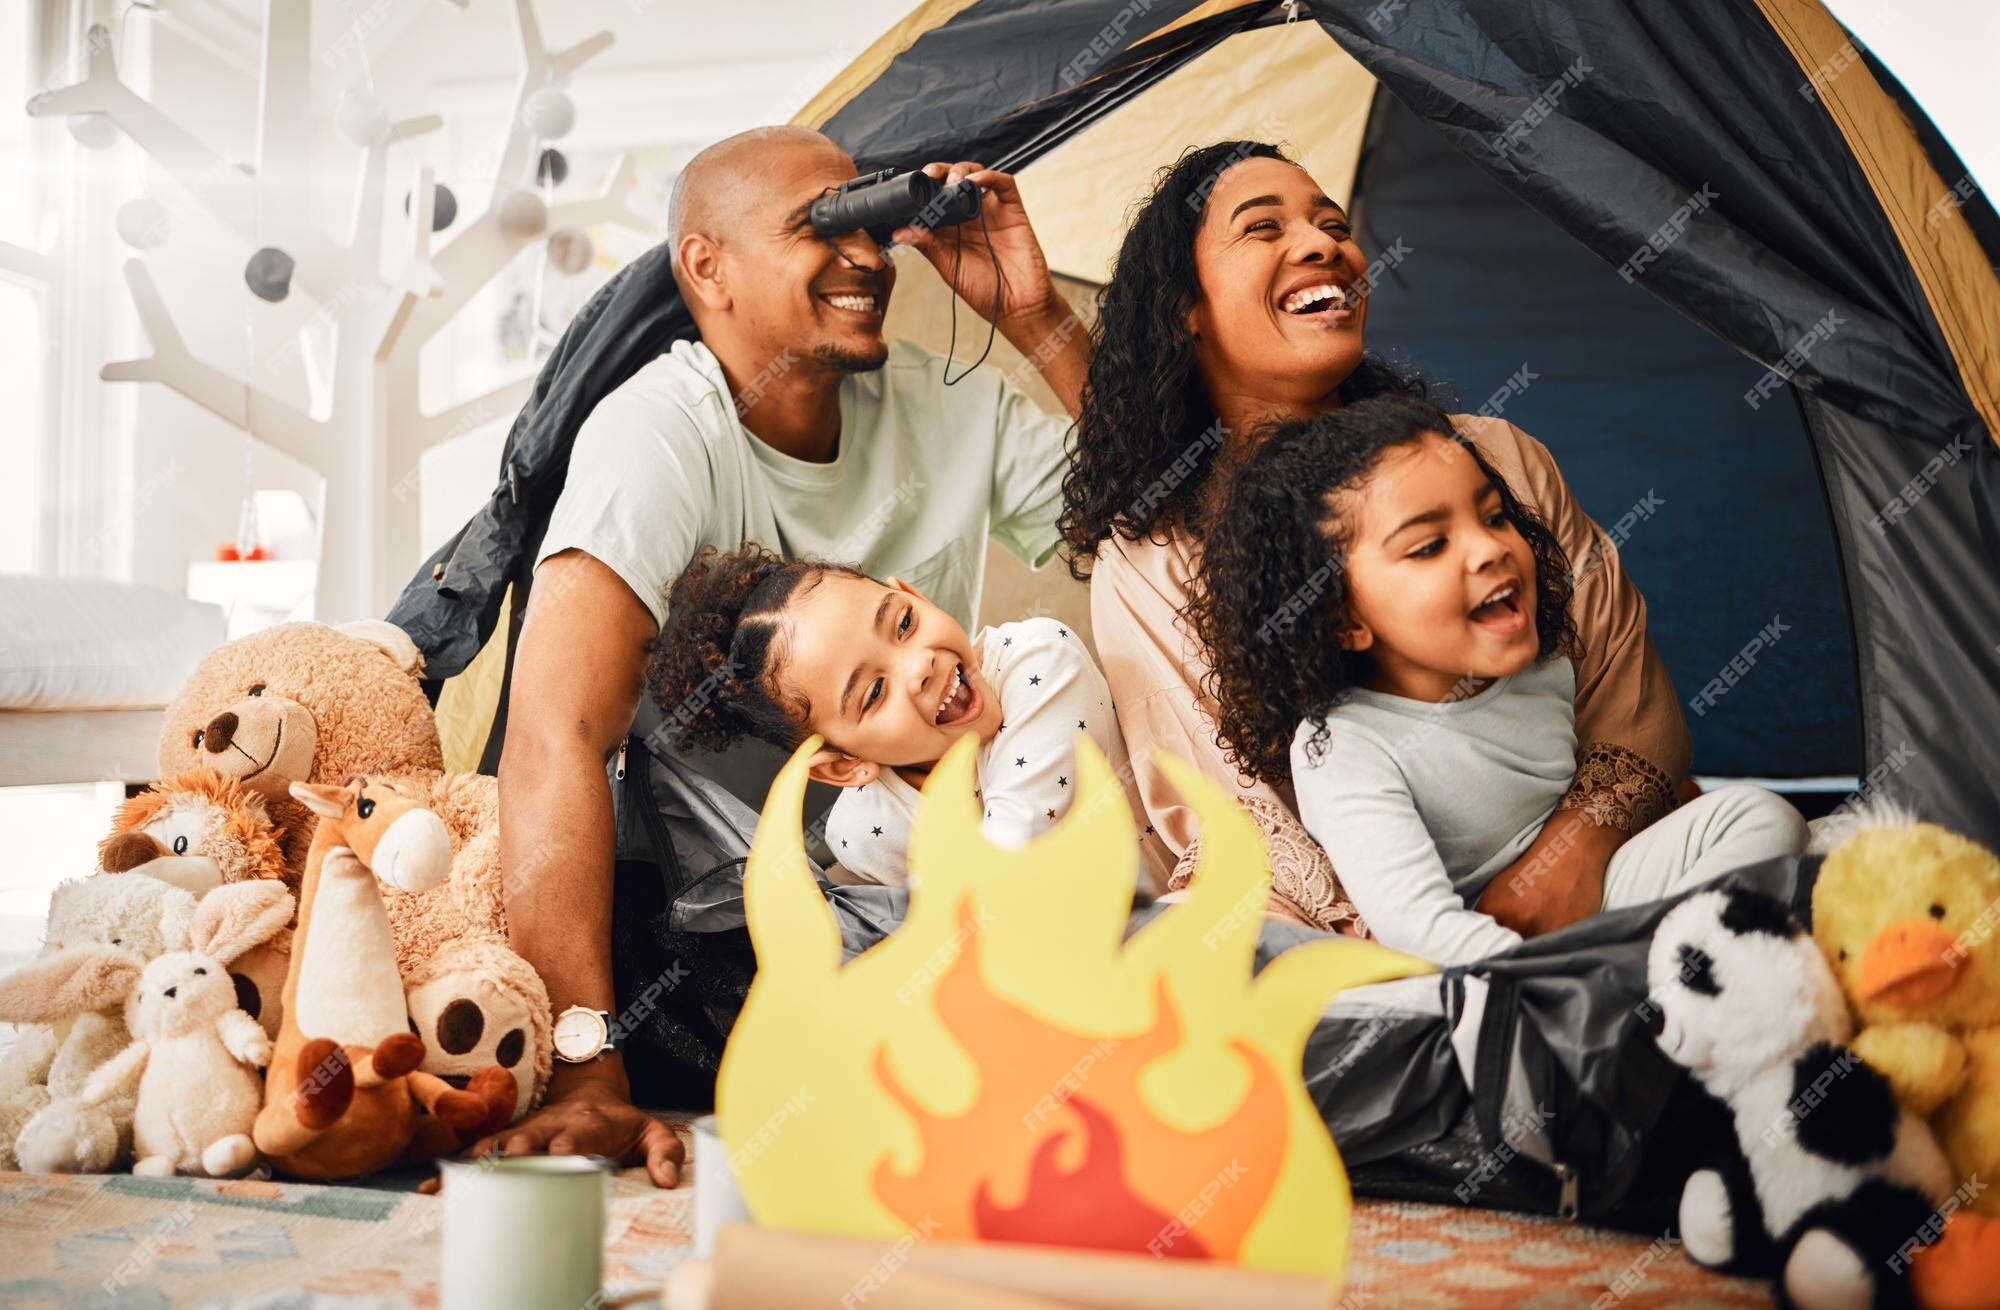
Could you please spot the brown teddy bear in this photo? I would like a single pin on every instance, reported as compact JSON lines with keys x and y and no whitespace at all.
{"x":308,"y":702}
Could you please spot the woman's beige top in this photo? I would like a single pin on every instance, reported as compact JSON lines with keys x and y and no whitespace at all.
{"x":1632,"y":743}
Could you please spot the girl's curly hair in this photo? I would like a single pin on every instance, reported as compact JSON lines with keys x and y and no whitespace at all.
{"x":714,"y":669}
{"x":1271,"y":594}
{"x":1146,"y":430}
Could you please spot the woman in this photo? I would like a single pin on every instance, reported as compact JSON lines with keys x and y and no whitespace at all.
{"x":1239,"y":298}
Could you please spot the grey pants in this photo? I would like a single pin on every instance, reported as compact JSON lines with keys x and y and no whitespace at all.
{"x":1722,"y":830}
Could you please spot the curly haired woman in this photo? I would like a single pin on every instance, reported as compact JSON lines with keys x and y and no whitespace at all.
{"x":1239,"y":298}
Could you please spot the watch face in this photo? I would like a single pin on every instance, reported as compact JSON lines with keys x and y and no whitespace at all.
{"x":579,"y":1033}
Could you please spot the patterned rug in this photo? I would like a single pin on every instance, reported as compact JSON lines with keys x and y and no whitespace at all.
{"x":88,"y":1243}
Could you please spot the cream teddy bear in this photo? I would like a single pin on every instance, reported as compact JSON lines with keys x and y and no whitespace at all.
{"x":195,"y":1052}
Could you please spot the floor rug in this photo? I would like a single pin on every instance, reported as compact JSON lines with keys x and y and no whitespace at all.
{"x":90,"y":1243}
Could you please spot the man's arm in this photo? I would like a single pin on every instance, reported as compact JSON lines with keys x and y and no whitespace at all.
{"x":578,"y":672}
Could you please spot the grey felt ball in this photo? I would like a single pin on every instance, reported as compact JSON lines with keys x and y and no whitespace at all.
{"x":445,"y":213}
{"x":269,"y":274}
{"x":552,"y":169}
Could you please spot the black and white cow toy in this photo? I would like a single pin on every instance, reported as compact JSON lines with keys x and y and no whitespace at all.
{"x":1830,"y":1176}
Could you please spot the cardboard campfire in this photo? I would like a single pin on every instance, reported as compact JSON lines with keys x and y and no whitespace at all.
{"x":1008,"y":1066}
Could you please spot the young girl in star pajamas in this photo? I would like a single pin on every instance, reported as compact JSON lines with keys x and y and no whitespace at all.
{"x":760,"y":646}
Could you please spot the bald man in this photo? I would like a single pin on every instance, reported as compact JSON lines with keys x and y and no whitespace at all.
{"x":793,"y":423}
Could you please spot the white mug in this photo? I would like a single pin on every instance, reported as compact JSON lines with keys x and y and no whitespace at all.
{"x":524,"y":1232}
{"x":716,"y":1199}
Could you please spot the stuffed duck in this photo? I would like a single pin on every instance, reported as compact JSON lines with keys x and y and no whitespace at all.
{"x":1908,"y":915}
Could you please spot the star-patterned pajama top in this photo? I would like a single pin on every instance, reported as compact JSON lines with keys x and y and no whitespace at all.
{"x":1051,"y":692}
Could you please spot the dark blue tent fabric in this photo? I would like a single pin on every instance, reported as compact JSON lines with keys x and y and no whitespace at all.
{"x":1645,"y":412}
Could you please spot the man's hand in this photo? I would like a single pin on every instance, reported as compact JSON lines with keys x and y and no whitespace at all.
{"x":1558,"y":880}
{"x":1033,"y":316}
{"x":1028,"y":298}
{"x":589,"y":1112}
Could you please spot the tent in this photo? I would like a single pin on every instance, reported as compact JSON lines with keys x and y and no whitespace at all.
{"x":1742,"y":290}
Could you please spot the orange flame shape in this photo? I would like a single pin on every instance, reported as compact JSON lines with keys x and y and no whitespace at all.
{"x":1045,"y":1093}
{"x":1010,"y":1065}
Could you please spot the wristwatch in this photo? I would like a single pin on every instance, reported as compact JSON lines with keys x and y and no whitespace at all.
{"x":583,"y":1034}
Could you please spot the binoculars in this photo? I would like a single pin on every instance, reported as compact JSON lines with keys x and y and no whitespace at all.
{"x":879,"y":203}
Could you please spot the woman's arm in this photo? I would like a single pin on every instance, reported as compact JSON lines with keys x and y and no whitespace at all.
{"x":1137,"y":591}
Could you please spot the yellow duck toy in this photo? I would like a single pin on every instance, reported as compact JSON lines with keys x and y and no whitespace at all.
{"x":1908,"y":914}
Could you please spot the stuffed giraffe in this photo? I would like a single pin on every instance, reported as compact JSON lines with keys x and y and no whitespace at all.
{"x":343,"y":1092}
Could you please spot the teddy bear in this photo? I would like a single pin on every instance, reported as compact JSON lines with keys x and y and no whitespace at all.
{"x":195,"y":1053}
{"x":321,"y":704}
{"x":1830,"y":1181}
{"x":102,"y":931}
{"x":1908,"y":916}
{"x":199,"y":831}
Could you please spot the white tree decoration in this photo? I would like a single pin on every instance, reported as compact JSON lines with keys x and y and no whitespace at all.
{"x":368,"y":443}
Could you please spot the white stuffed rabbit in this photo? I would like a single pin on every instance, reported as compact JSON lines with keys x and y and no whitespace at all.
{"x":101,"y":932}
{"x":194,"y":1053}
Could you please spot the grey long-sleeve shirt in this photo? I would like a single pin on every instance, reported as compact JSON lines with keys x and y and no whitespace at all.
{"x":1420,"y":804}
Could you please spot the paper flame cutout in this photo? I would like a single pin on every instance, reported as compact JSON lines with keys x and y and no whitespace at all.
{"x":1008,"y":1066}
{"x":1082,"y":1099}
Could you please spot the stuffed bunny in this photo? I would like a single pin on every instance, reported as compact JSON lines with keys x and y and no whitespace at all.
{"x":101,"y":932}
{"x":194,"y":1053}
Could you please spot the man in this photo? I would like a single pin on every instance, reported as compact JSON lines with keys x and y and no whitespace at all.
{"x":791,"y":422}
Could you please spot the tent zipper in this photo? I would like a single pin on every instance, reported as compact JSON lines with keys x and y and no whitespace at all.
{"x":1566,"y":1206}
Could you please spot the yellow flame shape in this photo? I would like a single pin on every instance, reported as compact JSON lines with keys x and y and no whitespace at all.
{"x":806,"y":1120}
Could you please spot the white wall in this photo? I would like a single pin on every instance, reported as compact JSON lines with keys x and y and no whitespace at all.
{"x":1942,"y":51}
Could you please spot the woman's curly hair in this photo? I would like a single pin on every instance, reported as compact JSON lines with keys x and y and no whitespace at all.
{"x":714,"y":669}
{"x":1146,"y":430}
{"x":1272,"y":591}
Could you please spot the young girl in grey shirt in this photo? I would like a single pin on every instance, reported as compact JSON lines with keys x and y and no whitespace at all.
{"x":1390,"y":634}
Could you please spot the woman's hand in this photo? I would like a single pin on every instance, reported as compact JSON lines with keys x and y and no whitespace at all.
{"x":1028,"y":298}
{"x":1558,"y":880}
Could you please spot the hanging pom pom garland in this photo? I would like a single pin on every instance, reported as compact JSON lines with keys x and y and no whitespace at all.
{"x":523,"y":215}
{"x":550,"y":113}
{"x":444,"y":213}
{"x":570,"y":251}
{"x":360,"y":120}
{"x":93,"y":131}
{"x":144,"y":223}
{"x":552,"y":169}
{"x":269,"y":274}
